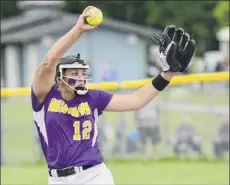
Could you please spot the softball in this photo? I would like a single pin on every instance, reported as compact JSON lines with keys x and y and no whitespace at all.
{"x":95,"y":16}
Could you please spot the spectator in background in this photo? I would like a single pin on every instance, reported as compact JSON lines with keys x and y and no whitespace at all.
{"x":126,"y":142}
{"x":108,"y":72}
{"x":222,"y":65}
{"x":220,"y":143}
{"x":218,"y":67}
{"x":186,"y":141}
{"x":148,"y":126}
{"x":132,"y":141}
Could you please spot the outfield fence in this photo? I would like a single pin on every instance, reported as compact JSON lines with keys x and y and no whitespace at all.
{"x":198,"y":103}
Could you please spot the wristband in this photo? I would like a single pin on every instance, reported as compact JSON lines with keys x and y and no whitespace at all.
{"x":159,"y":83}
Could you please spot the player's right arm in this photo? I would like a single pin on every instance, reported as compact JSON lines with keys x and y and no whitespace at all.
{"x":45,"y":73}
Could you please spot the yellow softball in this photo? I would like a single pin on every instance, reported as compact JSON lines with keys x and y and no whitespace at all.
{"x":95,"y":16}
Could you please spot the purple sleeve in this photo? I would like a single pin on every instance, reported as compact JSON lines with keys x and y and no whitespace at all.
{"x":35,"y":105}
{"x":102,"y":100}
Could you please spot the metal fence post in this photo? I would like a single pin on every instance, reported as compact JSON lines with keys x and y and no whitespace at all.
{"x":2,"y":137}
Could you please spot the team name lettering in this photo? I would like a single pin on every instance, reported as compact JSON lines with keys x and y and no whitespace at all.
{"x":61,"y":107}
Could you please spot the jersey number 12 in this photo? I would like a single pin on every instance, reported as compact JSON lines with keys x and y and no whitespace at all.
{"x":87,"y":127}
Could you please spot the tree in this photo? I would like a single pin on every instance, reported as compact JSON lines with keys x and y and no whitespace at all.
{"x":221,"y":13}
{"x":120,"y":10}
{"x":158,"y":14}
{"x":9,"y":8}
{"x":186,"y":14}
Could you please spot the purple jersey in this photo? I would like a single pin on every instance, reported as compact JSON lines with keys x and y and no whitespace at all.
{"x":68,"y":129}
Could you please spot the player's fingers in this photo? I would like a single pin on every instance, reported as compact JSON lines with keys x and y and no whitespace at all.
{"x":177,"y":36}
{"x":185,"y":38}
{"x":93,"y":27}
{"x":189,"y":51}
{"x":170,"y":30}
{"x":170,"y":52}
{"x":86,"y":10}
{"x":90,"y":27}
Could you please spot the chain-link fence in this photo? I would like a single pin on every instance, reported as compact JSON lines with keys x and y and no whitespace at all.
{"x":183,"y":121}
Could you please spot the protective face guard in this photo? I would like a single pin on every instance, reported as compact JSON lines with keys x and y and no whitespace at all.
{"x":72,"y":81}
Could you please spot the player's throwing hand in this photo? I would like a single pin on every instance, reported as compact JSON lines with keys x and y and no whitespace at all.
{"x":81,"y":23}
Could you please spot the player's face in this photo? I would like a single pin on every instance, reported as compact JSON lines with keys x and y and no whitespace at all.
{"x":76,"y":77}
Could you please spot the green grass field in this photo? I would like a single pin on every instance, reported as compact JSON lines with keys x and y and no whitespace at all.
{"x":133,"y":172}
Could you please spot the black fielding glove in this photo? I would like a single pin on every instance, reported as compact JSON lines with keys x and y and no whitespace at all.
{"x":176,"y":48}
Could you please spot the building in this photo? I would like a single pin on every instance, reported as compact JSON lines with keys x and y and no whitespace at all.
{"x":26,"y":38}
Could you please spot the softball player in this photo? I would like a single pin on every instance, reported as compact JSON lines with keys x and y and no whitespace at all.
{"x":66,"y":112}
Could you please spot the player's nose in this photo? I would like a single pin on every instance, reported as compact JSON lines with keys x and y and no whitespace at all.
{"x":80,"y":82}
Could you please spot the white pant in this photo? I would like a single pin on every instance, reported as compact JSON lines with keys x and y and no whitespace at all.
{"x":98,"y":174}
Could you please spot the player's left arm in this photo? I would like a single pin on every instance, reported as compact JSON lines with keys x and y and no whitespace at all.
{"x":176,"y":51}
{"x":138,"y":99}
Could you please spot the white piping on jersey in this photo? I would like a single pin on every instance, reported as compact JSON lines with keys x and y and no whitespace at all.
{"x":39,"y":117}
{"x":96,"y":117}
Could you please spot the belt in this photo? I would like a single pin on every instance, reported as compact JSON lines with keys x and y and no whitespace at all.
{"x":68,"y":171}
